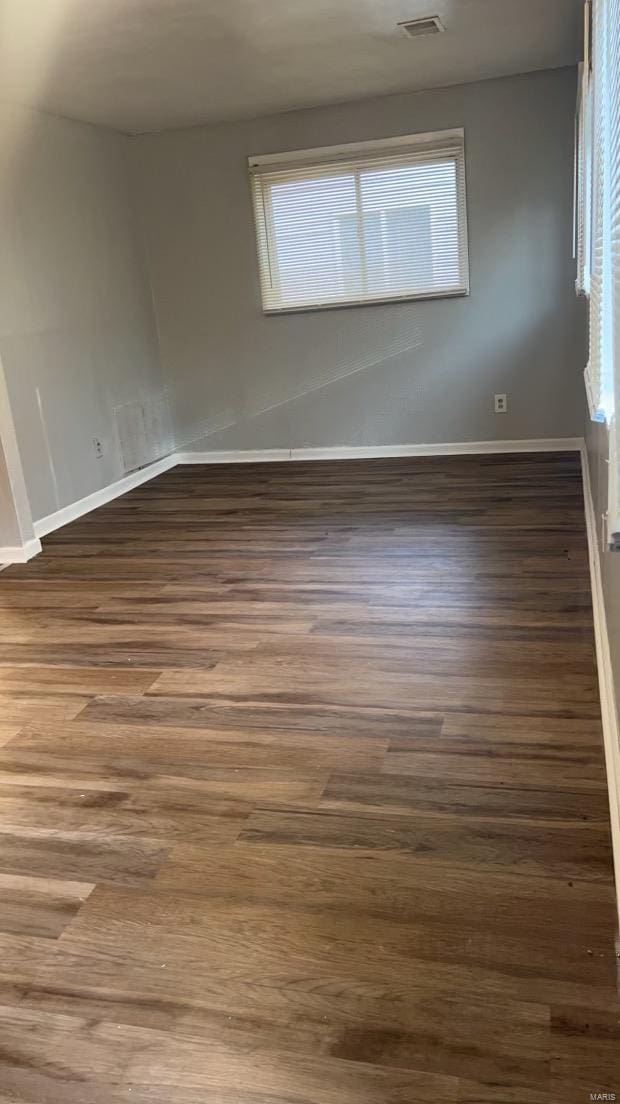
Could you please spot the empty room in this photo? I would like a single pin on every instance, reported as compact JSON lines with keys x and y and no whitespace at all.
{"x":309,"y":551}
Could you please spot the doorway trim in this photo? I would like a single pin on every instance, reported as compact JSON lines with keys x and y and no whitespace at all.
{"x":25,"y":544}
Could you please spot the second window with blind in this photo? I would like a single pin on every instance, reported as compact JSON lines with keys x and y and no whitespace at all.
{"x":363,"y":223}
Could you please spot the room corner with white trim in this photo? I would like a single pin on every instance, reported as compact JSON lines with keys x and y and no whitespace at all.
{"x":309,"y":552}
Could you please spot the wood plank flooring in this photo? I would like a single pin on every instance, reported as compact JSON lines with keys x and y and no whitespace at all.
{"x":302,"y":793}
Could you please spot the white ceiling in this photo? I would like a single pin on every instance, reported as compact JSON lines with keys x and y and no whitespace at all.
{"x":139,"y":65}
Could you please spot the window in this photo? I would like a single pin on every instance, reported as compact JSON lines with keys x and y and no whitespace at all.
{"x":600,"y":203}
{"x":612,"y":339}
{"x":583,"y":168}
{"x":363,"y":223}
{"x":595,"y":202}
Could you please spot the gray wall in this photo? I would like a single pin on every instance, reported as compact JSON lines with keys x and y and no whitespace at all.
{"x":400,"y":373}
{"x":76,"y":318}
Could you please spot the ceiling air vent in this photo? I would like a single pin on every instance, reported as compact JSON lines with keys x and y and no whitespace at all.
{"x":416,"y":28}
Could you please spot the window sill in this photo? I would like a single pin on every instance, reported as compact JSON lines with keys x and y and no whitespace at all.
{"x":456,"y":293}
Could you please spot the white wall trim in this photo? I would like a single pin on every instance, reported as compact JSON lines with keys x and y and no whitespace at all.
{"x":609,"y":713}
{"x":370,"y":452}
{"x":83,"y":506}
{"x":20,"y":553}
{"x":234,"y":456}
{"x":17,"y":501}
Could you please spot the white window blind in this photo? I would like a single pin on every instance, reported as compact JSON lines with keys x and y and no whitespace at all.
{"x":595,"y":375}
{"x":603,"y":156}
{"x":363,"y":223}
{"x":583,"y":180}
{"x":613,"y":78}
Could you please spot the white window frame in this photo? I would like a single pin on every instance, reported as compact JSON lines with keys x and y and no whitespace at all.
{"x":599,"y":369}
{"x":582,"y":245}
{"x":441,"y":145}
{"x":601,"y":83}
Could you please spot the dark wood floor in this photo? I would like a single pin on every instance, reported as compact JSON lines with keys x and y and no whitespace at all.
{"x":302,"y":795}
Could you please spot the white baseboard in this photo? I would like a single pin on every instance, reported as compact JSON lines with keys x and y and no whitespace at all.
{"x":20,"y":553}
{"x":371,"y":452}
{"x":234,"y":456}
{"x":248,"y":456}
{"x":83,"y":506}
{"x":609,"y":713}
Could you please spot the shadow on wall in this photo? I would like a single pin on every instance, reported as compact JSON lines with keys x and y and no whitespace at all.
{"x":77,"y":334}
{"x":267,"y":415}
{"x":393,"y":397}
{"x":390,"y":374}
